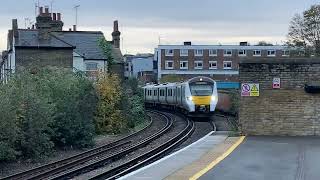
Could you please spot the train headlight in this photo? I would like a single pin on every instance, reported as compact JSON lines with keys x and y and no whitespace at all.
{"x":213,"y":98}
{"x":189,"y":98}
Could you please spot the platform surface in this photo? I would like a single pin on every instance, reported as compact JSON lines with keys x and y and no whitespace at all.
{"x":270,"y":158}
{"x":168,"y":165}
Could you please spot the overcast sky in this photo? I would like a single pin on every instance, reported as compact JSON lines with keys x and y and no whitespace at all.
{"x":143,"y":22}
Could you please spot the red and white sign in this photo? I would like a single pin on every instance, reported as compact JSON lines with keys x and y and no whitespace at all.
{"x":276,"y":83}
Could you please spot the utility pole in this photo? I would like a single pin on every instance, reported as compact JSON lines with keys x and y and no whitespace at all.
{"x":76,"y":8}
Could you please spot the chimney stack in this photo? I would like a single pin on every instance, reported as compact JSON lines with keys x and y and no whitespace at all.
{"x":54,"y":16}
{"x":59,"y":16}
{"x":116,"y":35}
{"x":74,"y":27}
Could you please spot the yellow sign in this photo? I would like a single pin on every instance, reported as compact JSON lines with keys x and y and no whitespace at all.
{"x":250,"y":89}
{"x":254,"y":90}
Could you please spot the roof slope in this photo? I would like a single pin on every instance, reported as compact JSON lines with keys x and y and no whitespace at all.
{"x":86,"y":43}
{"x":30,"y":38}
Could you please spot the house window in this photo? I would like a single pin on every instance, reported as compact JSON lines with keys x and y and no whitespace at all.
{"x":227,"y":52}
{"x":183,"y":64}
{"x":91,"y":66}
{"x":213,"y":52}
{"x":198,"y":52}
{"x":227,"y":64}
{"x":169,"y":52}
{"x":183,"y":52}
{"x":256,"y":52}
{"x":198,"y":65}
{"x":271,"y":53}
{"x":285,"y":53}
{"x":169,"y":65}
{"x":242,"y":52}
{"x":213,"y":65}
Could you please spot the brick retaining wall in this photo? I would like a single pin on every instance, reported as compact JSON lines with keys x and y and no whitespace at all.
{"x":286,"y":111}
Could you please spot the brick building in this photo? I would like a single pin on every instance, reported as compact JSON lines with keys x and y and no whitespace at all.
{"x":46,"y":44}
{"x":221,"y":62}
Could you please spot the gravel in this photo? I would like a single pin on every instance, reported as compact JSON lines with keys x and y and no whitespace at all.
{"x":178,"y":125}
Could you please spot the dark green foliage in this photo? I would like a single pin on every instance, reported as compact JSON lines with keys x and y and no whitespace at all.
{"x":28,"y":113}
{"x":75,"y":102}
{"x":45,"y":109}
{"x":107,"y":51}
{"x":133,"y":104}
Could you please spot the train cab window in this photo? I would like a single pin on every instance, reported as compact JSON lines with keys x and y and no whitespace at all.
{"x":201,"y":89}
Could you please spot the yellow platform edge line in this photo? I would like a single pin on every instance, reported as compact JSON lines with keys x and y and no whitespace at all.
{"x":216,"y":161}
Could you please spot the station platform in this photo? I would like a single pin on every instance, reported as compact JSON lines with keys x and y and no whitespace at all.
{"x":266,"y":158}
{"x":217,"y":156}
{"x":186,"y":162}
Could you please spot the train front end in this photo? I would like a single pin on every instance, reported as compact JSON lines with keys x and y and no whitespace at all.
{"x":202,"y":96}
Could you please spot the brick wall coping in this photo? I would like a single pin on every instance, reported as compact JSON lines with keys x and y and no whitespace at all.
{"x":281,"y":61}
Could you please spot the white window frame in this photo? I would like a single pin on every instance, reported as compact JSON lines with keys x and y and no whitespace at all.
{"x":256,"y":55}
{"x":226,"y":62}
{"x":225,"y":52}
{"x":181,"y":63}
{"x":92,"y":63}
{"x":284,"y":54}
{"x":196,"y":52}
{"x":167,"y":52}
{"x":167,"y":63}
{"x":211,"y":52}
{"x":271,"y":55}
{"x":196,"y":65}
{"x":216,"y":62}
{"x":244,"y":52}
{"x":184,"y":50}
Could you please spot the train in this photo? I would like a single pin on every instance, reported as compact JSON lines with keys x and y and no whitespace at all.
{"x":196,"y":97}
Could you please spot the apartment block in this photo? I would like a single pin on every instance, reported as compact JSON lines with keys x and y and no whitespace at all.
{"x":221,"y":62}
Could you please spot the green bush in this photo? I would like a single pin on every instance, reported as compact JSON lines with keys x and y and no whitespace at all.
{"x":28,"y":112}
{"x":43,"y":109}
{"x":133,"y":103}
{"x":75,"y":103}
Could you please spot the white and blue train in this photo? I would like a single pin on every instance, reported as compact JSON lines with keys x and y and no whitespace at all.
{"x":196,"y":97}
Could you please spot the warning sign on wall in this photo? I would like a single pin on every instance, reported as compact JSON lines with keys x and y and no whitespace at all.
{"x":250,"y":89}
{"x":276,"y":83}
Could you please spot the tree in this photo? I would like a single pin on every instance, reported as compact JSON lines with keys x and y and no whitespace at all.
{"x":304,"y":30}
{"x":107,"y":51}
{"x":109,"y":118}
{"x":264,"y":43}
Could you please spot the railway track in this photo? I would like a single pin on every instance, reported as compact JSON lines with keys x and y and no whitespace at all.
{"x":149,"y":156}
{"x":94,"y":156}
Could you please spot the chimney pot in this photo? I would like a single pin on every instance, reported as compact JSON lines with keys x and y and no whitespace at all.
{"x":59,"y":16}
{"x":115,"y":26}
{"x":40,"y":10}
{"x":74,"y":27}
{"x":47,"y":10}
{"x":54,"y":16}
